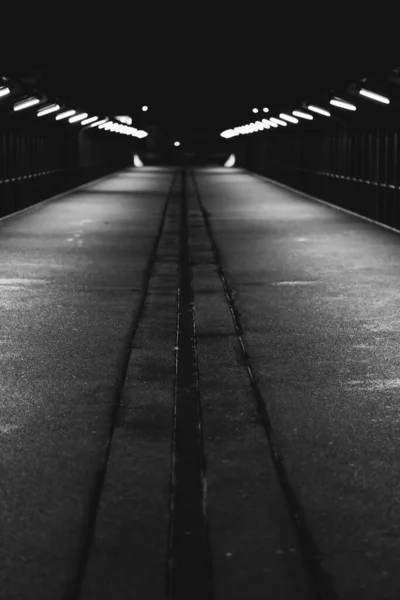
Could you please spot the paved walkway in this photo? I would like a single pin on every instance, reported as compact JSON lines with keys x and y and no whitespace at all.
{"x":89,"y":410}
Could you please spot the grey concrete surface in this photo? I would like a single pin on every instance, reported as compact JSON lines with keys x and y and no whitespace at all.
{"x":72,"y":273}
{"x":128,"y":557}
{"x":254,"y":547}
{"x":318,"y":291}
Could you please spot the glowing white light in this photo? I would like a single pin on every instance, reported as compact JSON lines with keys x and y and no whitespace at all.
{"x":89,"y":120}
{"x":26,"y":103}
{"x":374,"y":96}
{"x":288,"y":118}
{"x":4,"y":91}
{"x":265,"y":109}
{"x":302,"y":115}
{"x":277,"y":121}
{"x":266,"y":123}
{"x":125,"y":120}
{"x":228,"y":133}
{"x":77,"y":118}
{"x":319,"y":110}
{"x":102,"y":122}
{"x":270,"y":123}
{"x":260,"y":126}
{"x":230,"y":162}
{"x":177,"y":143}
{"x":342,"y":104}
{"x":64,"y":115}
{"x":136,"y":161}
{"x":48,"y":110}
{"x":255,"y":110}
{"x":145,"y":108}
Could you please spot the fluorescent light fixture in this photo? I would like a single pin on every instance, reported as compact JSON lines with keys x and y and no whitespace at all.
{"x":177,"y":143}
{"x":141,"y":134}
{"x":270,"y":123}
{"x":136,"y":161}
{"x":145,"y":108}
{"x":4,"y":91}
{"x":265,"y":109}
{"x":266,"y":123}
{"x":342,"y":104}
{"x":230,"y":162}
{"x":277,"y":121}
{"x":89,"y":120}
{"x":99,"y":123}
{"x":77,"y":118}
{"x":319,"y":110}
{"x":228,"y":133}
{"x":288,"y":118}
{"x":260,"y":126}
{"x":65,"y":114}
{"x":26,"y":103}
{"x":367,"y":94}
{"x":255,"y":110}
{"x":48,"y":109}
{"x":124,"y":119}
{"x":302,"y":115}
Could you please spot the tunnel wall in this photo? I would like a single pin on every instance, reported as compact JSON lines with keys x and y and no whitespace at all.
{"x":353,"y":168}
{"x":38,"y":161}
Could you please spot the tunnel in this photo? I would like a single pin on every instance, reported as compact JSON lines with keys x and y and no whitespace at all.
{"x":200,"y":271}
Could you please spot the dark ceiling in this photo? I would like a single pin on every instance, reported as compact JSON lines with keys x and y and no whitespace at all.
{"x":203,"y":71}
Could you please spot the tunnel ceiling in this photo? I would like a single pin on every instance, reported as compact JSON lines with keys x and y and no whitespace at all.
{"x":200,"y":71}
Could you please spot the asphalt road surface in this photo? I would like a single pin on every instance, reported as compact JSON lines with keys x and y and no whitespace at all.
{"x":199,"y":394}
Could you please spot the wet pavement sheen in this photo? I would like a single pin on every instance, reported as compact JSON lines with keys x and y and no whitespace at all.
{"x":318,"y":292}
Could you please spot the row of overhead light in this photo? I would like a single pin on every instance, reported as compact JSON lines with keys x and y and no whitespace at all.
{"x":74,"y":117}
{"x":284,"y":119}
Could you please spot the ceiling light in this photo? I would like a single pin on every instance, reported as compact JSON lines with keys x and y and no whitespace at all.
{"x":99,"y":124}
{"x":369,"y":94}
{"x":77,"y":118}
{"x":277,"y":121}
{"x":288,"y":118}
{"x":228,"y":133}
{"x":64,"y":115}
{"x":302,"y":115}
{"x":255,"y":110}
{"x":26,"y":103}
{"x":319,"y":110}
{"x":260,"y":126}
{"x":265,"y":110}
{"x":342,"y":104}
{"x":270,"y":123}
{"x":47,"y":110}
{"x":230,"y":162}
{"x":4,"y":91}
{"x":89,"y":120}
